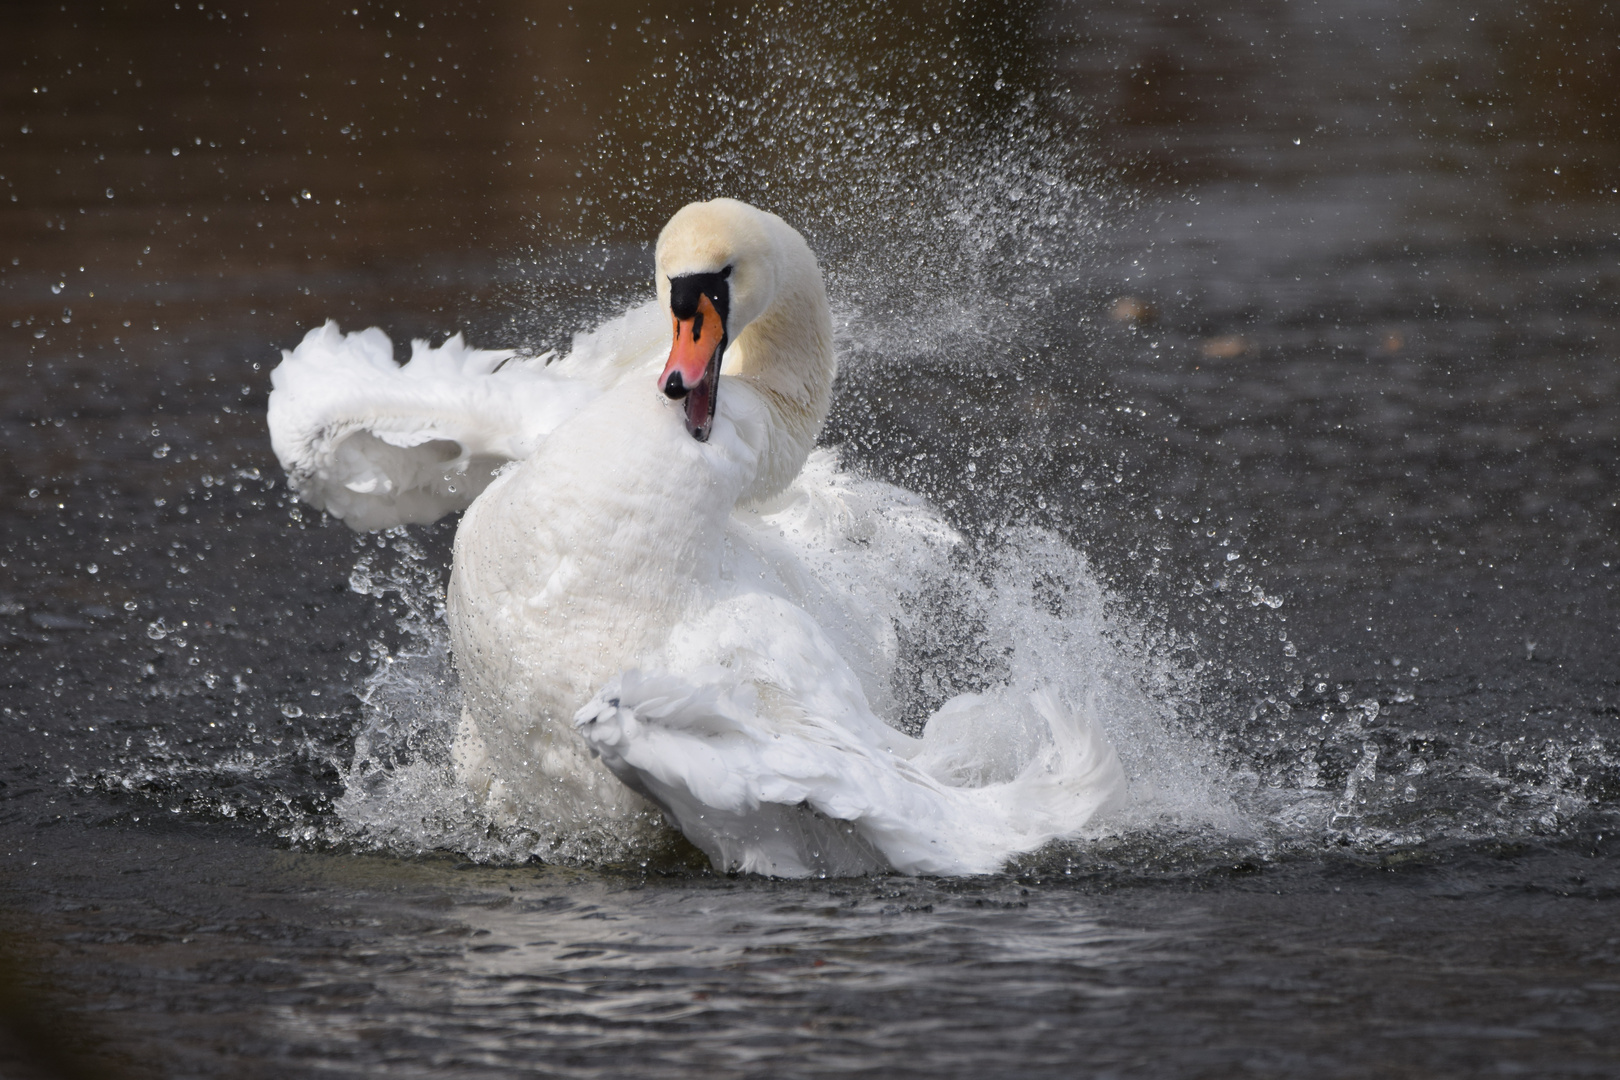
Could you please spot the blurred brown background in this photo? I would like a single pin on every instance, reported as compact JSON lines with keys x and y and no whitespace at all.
{"x":183,"y":153}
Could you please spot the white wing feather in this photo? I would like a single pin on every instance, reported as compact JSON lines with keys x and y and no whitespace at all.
{"x":379,"y":444}
{"x":785,"y":790}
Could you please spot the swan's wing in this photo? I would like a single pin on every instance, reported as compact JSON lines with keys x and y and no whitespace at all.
{"x":786,"y":791}
{"x":380,"y":444}
{"x":763,"y":751}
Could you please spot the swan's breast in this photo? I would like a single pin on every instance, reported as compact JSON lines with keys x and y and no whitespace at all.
{"x":579,"y":560}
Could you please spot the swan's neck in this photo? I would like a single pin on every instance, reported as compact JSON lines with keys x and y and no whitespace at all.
{"x":786,"y":356}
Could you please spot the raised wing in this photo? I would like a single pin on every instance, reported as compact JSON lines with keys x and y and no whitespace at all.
{"x":379,"y":444}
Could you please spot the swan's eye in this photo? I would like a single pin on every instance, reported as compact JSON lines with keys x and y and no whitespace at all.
{"x":726,"y":272}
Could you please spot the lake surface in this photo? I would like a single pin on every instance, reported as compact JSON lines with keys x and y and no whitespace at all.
{"x":1294,"y":325}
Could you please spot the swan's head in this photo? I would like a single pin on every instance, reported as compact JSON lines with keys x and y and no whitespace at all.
{"x":717,"y":273}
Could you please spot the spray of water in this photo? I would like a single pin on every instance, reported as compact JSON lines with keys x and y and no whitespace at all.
{"x":941,"y":190}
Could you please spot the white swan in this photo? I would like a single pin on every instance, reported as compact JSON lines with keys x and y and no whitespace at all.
{"x":632,"y":620}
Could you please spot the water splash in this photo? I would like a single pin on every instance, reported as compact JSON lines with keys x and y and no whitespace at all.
{"x":400,"y":790}
{"x":946,"y":197}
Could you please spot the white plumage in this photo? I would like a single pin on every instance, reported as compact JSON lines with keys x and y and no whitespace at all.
{"x":639,"y":616}
{"x":381,"y":444}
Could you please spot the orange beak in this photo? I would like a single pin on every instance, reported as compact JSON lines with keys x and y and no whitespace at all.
{"x":693,"y":371}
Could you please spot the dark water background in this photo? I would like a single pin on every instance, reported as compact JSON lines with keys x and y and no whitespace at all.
{"x":1331,"y":288}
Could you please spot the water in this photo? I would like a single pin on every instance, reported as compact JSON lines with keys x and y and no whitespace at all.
{"x":1110,"y":306}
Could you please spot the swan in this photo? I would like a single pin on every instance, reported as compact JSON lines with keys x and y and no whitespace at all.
{"x":639,"y":606}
